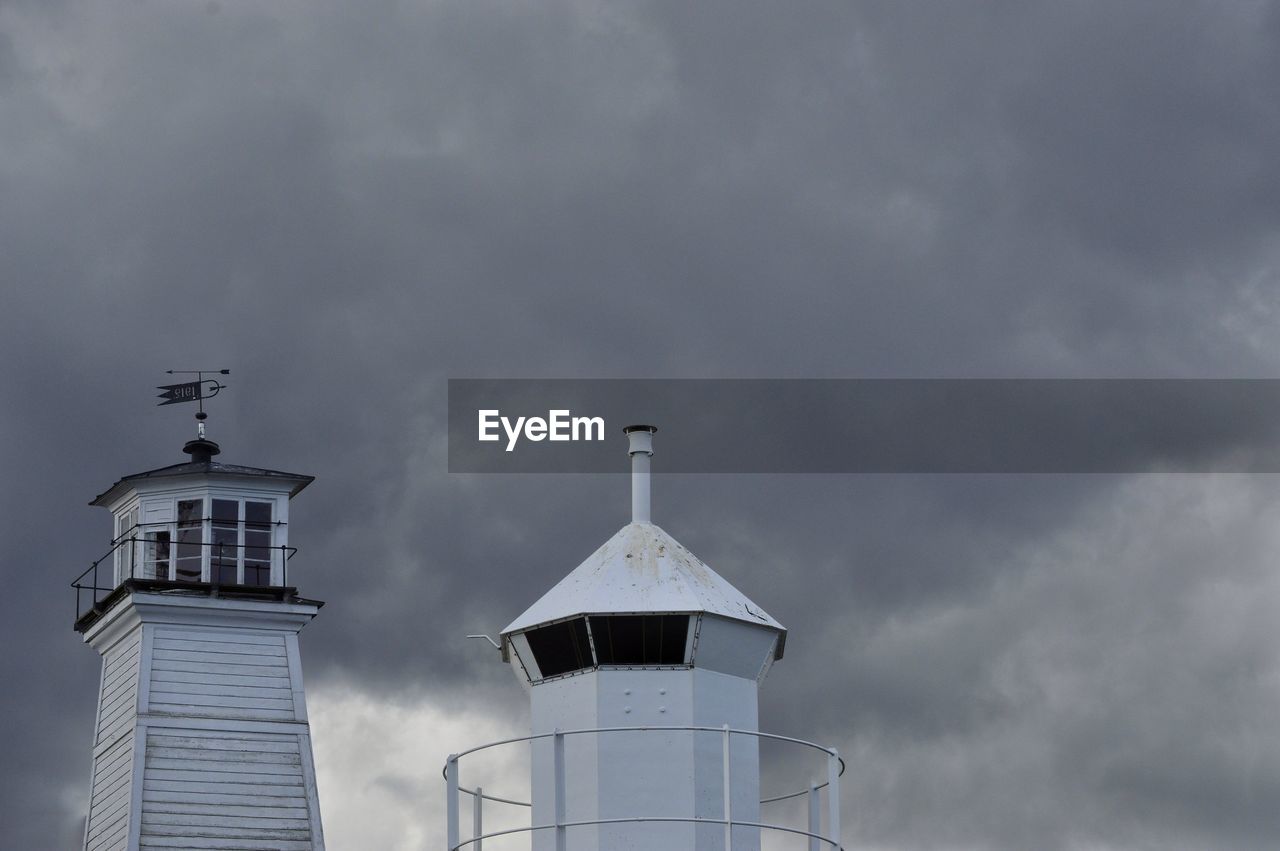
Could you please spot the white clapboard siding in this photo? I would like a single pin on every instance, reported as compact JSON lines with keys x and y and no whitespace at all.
{"x":118,"y":702}
{"x":207,"y":789}
{"x":221,"y":674}
{"x":110,"y":788}
{"x":108,"y":827}
{"x":201,"y":741}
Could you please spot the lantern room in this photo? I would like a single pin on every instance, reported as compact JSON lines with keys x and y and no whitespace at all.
{"x":202,"y":521}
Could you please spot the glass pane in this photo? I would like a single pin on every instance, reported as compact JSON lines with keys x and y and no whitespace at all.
{"x":187,"y":569}
{"x":619,"y":639}
{"x":257,"y":573}
{"x":561,"y":647}
{"x":673,"y":630}
{"x":126,"y":558}
{"x":158,"y":546}
{"x":256,"y":545}
{"x":257,"y":514}
{"x":190,"y":512}
{"x":226,"y":512}
{"x":187,"y":554}
{"x":640,"y":639}
{"x":223,"y":555}
{"x":157,"y":555}
{"x":125,"y":524}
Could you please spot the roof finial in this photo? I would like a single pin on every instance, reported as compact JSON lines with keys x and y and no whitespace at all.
{"x":641,"y":450}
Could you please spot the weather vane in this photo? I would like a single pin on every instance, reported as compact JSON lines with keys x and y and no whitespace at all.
{"x":193,"y":391}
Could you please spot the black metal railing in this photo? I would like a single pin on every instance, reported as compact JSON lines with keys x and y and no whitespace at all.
{"x":97,"y":588}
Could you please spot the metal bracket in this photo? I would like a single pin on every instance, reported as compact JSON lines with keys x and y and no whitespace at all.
{"x":496,"y":645}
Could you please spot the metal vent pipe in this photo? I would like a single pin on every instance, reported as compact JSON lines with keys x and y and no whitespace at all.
{"x":641,"y":450}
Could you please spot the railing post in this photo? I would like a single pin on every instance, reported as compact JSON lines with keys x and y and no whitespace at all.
{"x":728,"y":793}
{"x":833,"y":797}
{"x":559,"y":786}
{"x":815,"y":817}
{"x":477,"y":819}
{"x":451,"y":801}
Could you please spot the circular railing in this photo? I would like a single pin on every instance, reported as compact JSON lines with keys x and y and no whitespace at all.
{"x":816,"y":836}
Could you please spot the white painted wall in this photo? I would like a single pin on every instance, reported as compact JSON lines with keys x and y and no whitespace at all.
{"x":113,"y":740}
{"x":669,"y":773}
{"x":202,"y":740}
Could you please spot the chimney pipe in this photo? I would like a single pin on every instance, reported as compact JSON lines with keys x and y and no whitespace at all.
{"x":641,"y":450}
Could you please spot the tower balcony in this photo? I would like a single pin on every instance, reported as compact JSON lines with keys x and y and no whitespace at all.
{"x":806,"y":817}
{"x":146,"y":560}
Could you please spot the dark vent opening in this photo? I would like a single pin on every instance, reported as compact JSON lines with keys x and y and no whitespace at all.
{"x":561,"y":647}
{"x":640,"y":639}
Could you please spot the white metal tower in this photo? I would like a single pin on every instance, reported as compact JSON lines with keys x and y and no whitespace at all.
{"x":643,"y":667}
{"x":201,"y":739}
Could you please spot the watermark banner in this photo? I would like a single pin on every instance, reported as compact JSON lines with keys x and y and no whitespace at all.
{"x":868,"y":425}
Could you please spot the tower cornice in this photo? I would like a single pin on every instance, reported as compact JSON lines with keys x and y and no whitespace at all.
{"x":144,"y":607}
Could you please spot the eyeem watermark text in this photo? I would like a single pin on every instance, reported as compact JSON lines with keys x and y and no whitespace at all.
{"x":559,"y":425}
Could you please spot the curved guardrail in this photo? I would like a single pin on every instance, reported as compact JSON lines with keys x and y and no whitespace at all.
{"x":817,"y":839}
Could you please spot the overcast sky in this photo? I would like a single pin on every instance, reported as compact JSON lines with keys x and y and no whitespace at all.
{"x":349,"y":203}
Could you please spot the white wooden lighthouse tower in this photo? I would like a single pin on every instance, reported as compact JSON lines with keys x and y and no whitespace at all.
{"x":643,"y":667}
{"x":201,"y":739}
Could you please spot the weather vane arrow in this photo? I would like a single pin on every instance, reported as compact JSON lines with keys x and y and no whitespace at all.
{"x":192,"y":391}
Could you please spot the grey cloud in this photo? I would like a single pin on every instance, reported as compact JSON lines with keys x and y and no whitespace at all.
{"x":348,"y":204}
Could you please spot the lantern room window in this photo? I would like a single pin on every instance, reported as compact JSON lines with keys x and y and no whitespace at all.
{"x":156,"y":563}
{"x":189,"y":556}
{"x":125,"y":550}
{"x":596,"y":641}
{"x":257,"y":543}
{"x":220,"y":540}
{"x":561,"y":648}
{"x":640,"y":639}
{"x":224,"y":554}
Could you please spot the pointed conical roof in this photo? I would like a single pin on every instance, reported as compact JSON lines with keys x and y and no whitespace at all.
{"x":643,"y":569}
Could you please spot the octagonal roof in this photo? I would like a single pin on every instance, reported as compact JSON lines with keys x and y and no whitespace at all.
{"x":643,"y":569}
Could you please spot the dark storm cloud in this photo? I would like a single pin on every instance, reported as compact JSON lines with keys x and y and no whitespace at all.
{"x":347,"y":204}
